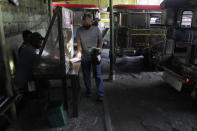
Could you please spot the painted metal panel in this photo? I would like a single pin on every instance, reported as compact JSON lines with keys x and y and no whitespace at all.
{"x":173,"y":81}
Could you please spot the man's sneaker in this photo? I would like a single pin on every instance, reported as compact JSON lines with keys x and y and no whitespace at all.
{"x":100,"y":98}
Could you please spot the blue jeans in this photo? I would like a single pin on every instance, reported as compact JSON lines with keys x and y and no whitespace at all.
{"x":86,"y":69}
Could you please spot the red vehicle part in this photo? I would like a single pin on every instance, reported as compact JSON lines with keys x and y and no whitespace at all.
{"x":140,"y":7}
{"x":77,"y":6}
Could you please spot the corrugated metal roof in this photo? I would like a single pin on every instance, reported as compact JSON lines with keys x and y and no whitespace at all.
{"x":178,"y":3}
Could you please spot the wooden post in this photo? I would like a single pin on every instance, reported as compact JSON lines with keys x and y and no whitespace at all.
{"x":112,"y":71}
{"x":5,"y":58}
{"x":61,"y":41}
{"x":50,"y":9}
{"x":62,"y":58}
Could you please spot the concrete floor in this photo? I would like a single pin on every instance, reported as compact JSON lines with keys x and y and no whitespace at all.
{"x":138,"y":100}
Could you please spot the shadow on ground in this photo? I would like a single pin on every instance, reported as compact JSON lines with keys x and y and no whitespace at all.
{"x":139,"y":100}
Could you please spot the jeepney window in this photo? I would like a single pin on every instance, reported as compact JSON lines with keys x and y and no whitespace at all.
{"x":155,"y":19}
{"x":186,"y":20}
{"x":78,"y":18}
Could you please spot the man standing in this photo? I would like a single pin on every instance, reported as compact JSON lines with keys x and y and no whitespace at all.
{"x":89,"y":37}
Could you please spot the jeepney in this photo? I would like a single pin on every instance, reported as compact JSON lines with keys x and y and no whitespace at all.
{"x":180,"y":59}
{"x":138,"y":30}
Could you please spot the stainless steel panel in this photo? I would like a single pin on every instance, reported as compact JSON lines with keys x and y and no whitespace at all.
{"x":173,"y":81}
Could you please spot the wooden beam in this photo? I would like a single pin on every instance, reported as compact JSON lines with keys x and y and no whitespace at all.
{"x":5,"y":58}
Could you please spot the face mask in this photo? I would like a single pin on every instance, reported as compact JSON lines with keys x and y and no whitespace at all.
{"x":87,"y":26}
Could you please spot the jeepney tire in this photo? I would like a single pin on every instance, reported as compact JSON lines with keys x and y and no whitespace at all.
{"x":185,"y":92}
{"x":145,"y":61}
{"x":114,"y":62}
{"x":115,"y":59}
{"x":194,"y":94}
{"x":158,"y":68}
{"x":148,"y":61}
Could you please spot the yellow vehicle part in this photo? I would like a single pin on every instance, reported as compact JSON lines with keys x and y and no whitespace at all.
{"x":149,"y":32}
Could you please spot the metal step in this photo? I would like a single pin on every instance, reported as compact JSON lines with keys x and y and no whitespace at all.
{"x":173,"y":79}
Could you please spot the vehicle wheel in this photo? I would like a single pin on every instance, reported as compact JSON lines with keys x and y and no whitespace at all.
{"x":114,"y":59}
{"x":186,"y":92}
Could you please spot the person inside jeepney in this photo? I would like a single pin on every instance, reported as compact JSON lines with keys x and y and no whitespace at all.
{"x":26,"y":62}
{"x":95,"y":22}
{"x":88,"y":38}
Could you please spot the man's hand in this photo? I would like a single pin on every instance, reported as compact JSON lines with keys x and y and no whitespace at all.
{"x":78,"y":55}
{"x":78,"y":49}
{"x":100,"y":50}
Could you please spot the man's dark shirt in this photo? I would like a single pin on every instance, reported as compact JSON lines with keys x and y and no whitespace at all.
{"x":25,"y":64}
{"x":21,"y":47}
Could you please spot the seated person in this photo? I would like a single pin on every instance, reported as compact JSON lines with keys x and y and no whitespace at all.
{"x":27,"y":60}
{"x":26,"y":39}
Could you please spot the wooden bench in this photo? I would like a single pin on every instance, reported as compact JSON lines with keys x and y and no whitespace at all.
{"x":5,"y":104}
{"x":73,"y":75}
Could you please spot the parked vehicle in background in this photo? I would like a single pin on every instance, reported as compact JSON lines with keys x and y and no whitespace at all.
{"x":138,"y":31}
{"x":179,"y":60}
